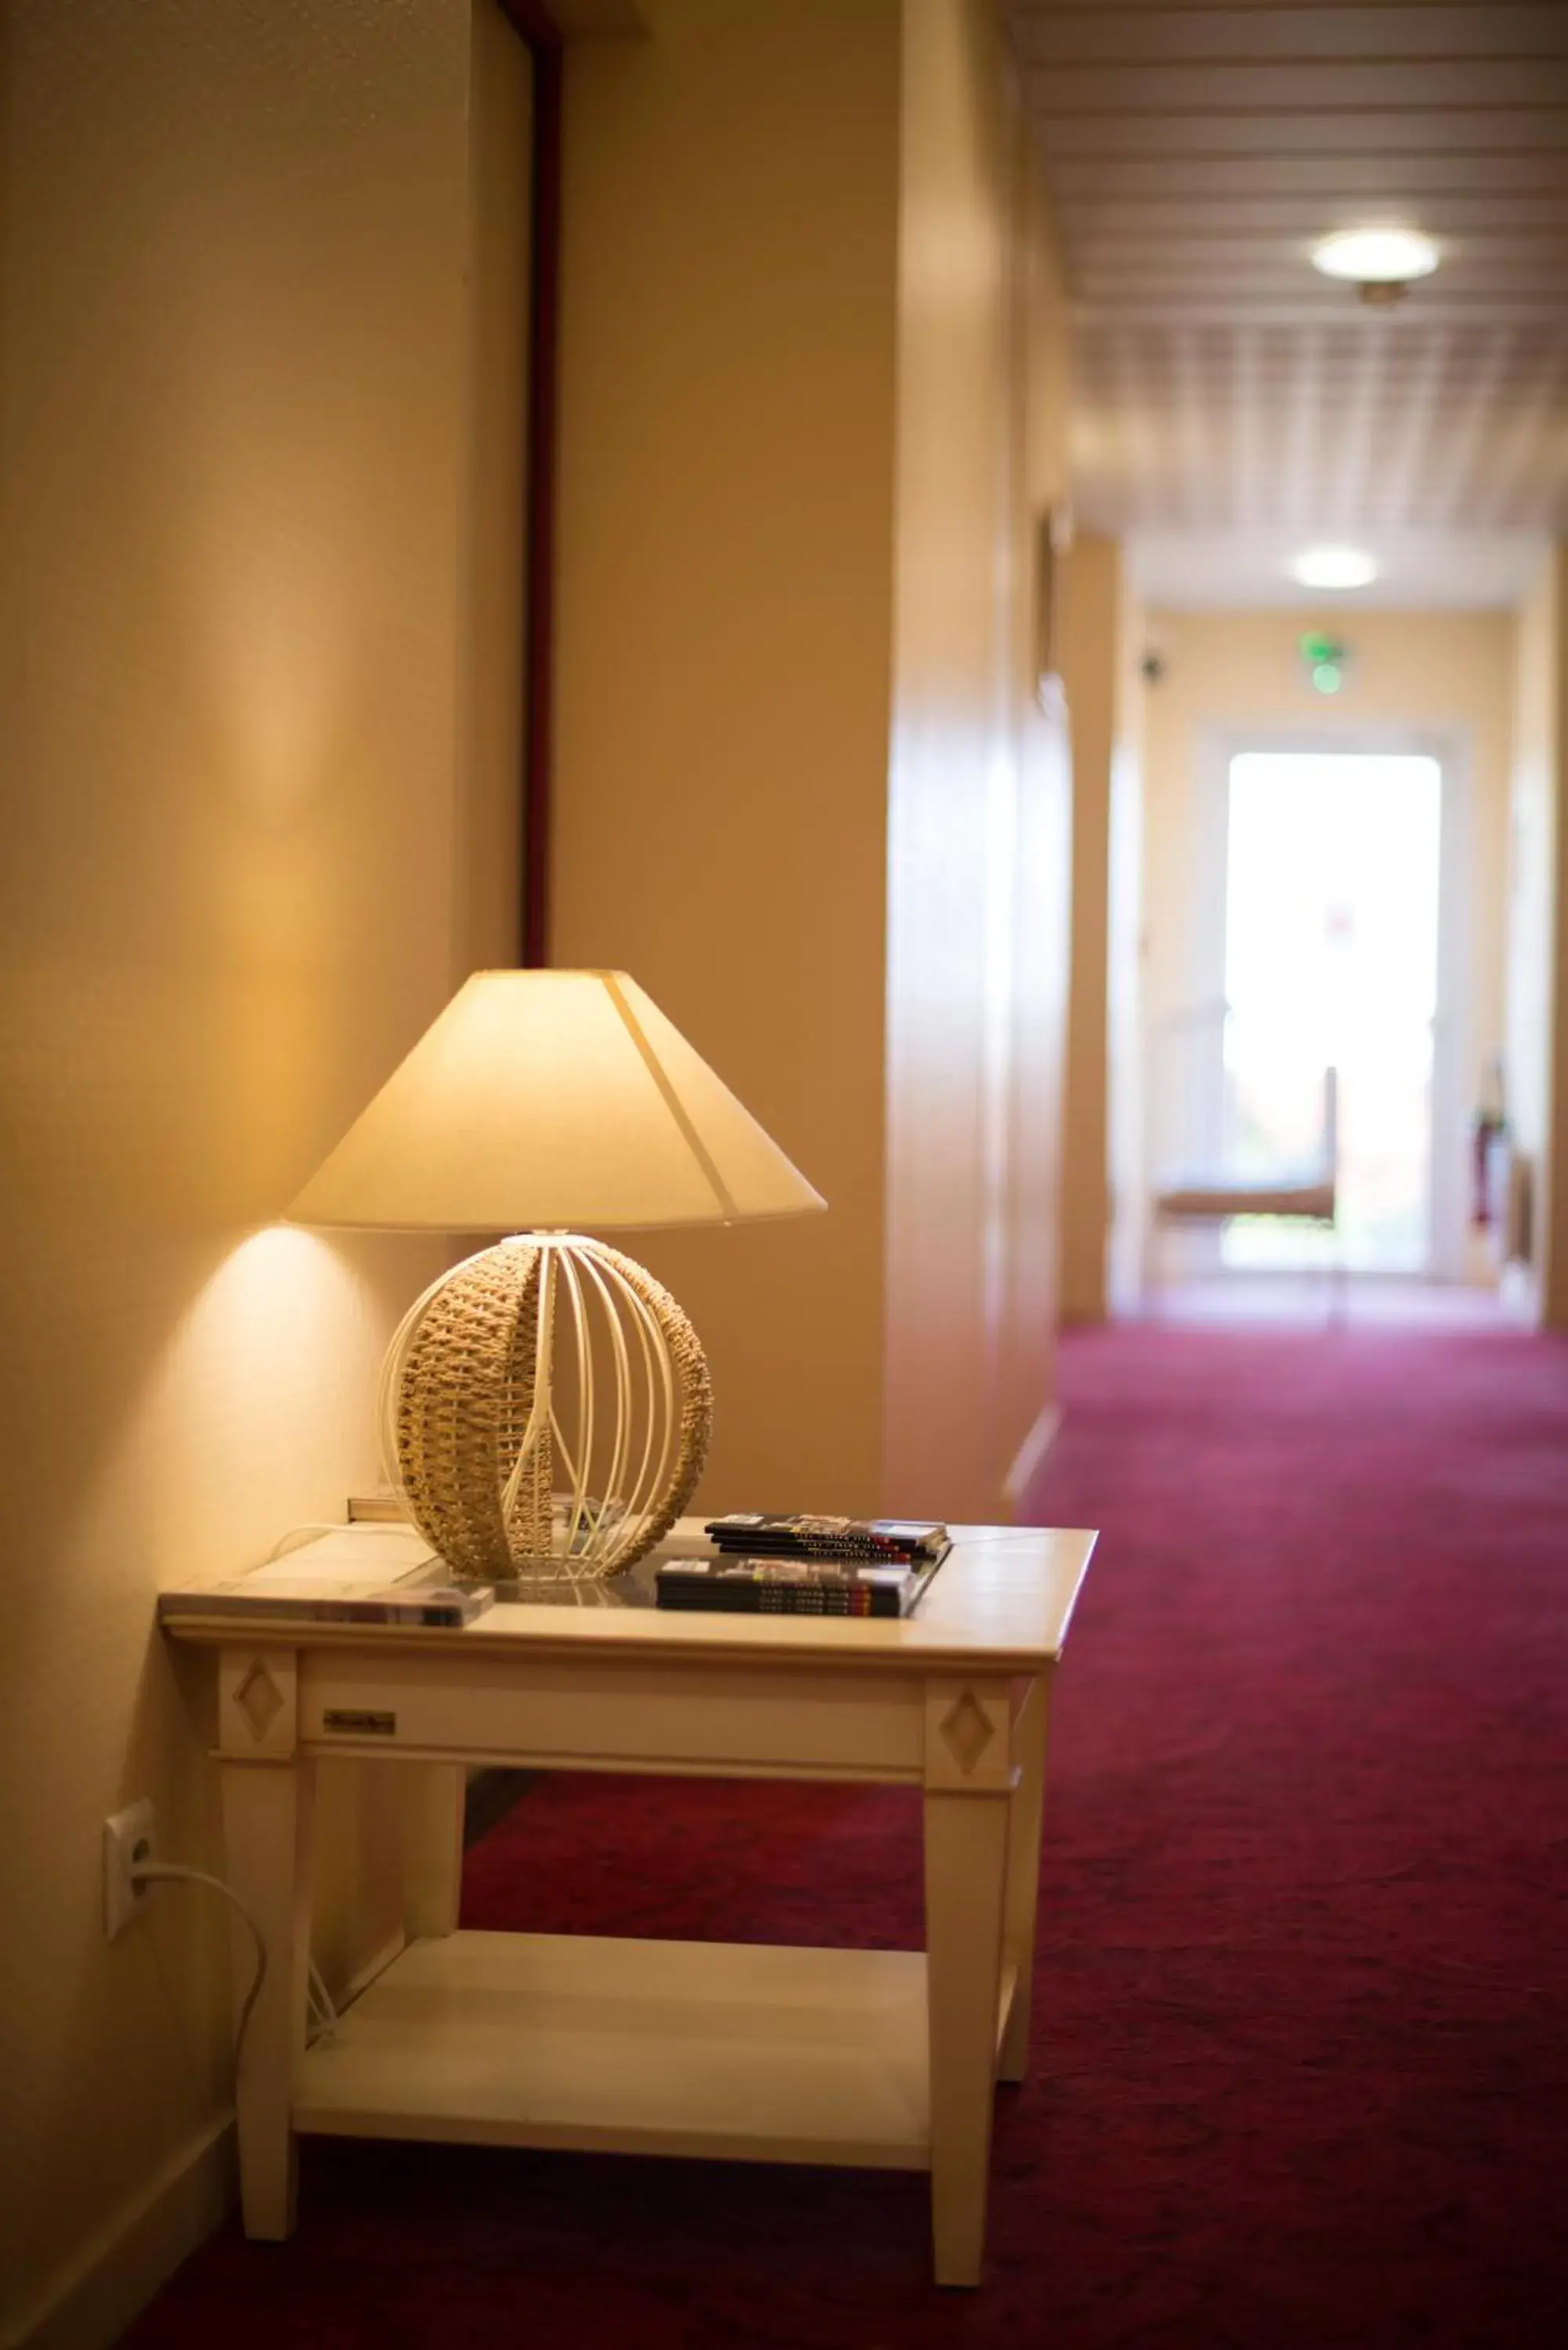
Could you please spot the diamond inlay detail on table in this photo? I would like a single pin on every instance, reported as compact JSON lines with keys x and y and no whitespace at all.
{"x":260,"y":1699}
{"x":966,"y":1731}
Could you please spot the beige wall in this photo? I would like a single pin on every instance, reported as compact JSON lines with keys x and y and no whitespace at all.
{"x":1092,"y":589}
{"x":1445,"y":673}
{"x":977,"y":806}
{"x":1101,"y":1178}
{"x":723,"y":616}
{"x":797,"y":468}
{"x":1537,"y":957}
{"x":1126,"y":1143}
{"x":1041,"y":855}
{"x":235,"y":411}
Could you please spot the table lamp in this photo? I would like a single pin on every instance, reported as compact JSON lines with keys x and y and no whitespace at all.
{"x":539,"y":1102}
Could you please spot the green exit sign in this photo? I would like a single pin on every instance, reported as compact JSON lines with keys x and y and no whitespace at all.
{"x":1326,"y":659}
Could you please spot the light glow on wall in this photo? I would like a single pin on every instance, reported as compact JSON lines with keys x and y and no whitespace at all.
{"x":269,"y":1369}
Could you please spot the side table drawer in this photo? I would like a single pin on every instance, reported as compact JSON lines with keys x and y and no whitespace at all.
{"x":835,"y":1724}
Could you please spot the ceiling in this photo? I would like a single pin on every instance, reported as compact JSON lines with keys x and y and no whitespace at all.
{"x":1232,"y":404}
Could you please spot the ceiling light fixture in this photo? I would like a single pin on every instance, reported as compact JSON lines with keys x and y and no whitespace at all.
{"x":1378,"y":262}
{"x":1333,"y":566}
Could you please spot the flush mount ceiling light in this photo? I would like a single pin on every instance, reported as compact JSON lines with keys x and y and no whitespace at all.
{"x":1333,"y":566}
{"x":1378,"y":262}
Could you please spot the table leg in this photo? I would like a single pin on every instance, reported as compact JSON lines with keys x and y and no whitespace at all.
{"x":1025,"y":1818}
{"x":267,"y":1819}
{"x":966,"y":1839}
{"x":432,"y":1800}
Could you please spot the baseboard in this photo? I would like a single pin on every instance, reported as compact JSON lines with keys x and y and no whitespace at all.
{"x":89,"y":2303}
{"x":1030,"y":1455}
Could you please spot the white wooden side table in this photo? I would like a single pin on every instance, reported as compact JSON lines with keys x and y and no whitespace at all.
{"x":867,"y":2058}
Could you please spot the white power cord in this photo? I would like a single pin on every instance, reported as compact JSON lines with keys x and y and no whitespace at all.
{"x":145,"y":1872}
{"x":323,"y":2014}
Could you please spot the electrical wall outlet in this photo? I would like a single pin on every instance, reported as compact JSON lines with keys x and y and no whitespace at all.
{"x":127,"y":1843}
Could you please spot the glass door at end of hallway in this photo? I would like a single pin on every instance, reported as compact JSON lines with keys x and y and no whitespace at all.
{"x":1332,"y":963}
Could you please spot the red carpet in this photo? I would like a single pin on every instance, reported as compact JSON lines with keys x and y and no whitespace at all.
{"x":1301,"y":2049}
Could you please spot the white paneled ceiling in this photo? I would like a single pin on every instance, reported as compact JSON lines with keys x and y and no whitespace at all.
{"x":1233,"y":402}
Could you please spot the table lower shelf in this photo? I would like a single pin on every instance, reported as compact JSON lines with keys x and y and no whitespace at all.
{"x":733,"y":2051}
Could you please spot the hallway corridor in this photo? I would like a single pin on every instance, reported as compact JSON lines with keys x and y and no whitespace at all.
{"x":1301,"y":2061}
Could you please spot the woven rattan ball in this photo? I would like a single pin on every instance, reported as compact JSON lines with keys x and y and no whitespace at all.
{"x":550,"y":1412}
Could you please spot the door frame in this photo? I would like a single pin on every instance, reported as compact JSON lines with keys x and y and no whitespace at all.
{"x":535,"y":23}
{"x":1347,"y":735}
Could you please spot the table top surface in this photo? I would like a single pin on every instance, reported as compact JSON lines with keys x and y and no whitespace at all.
{"x":1003,"y":1598}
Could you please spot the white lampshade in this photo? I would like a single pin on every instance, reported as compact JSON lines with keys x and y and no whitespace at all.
{"x":544,"y":1099}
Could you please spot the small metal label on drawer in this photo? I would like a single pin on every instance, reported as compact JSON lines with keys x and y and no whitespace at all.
{"x":360,"y":1722}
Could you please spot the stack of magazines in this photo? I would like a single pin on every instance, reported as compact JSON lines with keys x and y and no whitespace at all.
{"x":769,"y":1564}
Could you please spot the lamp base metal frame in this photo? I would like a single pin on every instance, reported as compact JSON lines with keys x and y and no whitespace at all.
{"x":547,"y":1407}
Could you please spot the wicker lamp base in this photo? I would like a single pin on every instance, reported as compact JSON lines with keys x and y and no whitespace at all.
{"x":547,"y":1406}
